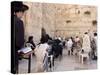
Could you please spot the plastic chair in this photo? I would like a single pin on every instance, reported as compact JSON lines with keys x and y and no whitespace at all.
{"x":82,"y":56}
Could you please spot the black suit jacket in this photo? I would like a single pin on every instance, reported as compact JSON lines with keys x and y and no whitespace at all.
{"x":19,"y":32}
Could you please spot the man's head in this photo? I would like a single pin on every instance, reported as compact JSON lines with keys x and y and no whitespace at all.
{"x":95,"y":34}
{"x":19,"y":14}
{"x":30,"y":38}
{"x":86,"y":33}
{"x":18,"y":8}
{"x":76,"y":36}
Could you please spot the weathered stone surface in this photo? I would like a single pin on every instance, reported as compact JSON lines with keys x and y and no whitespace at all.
{"x":53,"y":18}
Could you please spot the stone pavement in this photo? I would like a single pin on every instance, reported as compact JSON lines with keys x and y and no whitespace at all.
{"x":67,"y":63}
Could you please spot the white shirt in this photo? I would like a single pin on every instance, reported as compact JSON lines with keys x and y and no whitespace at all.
{"x":86,"y":43}
{"x":69,"y":44}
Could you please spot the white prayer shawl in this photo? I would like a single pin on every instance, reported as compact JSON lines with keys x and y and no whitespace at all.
{"x":95,"y":39}
{"x":40,"y":53}
{"x":90,"y":33}
{"x":86,"y":44}
{"x":69,"y":44}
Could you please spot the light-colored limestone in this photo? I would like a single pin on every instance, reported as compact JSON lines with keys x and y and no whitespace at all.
{"x":53,"y":18}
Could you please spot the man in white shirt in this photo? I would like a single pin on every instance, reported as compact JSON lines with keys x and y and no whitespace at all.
{"x":69,"y":45}
{"x":86,"y":43}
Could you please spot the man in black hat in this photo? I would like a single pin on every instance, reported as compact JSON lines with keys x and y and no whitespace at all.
{"x":17,"y":30}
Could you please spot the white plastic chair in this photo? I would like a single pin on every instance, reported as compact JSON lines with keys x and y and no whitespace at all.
{"x":82,"y":56}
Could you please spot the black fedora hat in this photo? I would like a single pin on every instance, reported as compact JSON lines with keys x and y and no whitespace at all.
{"x":17,"y":6}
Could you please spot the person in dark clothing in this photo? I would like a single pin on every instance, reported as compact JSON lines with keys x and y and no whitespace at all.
{"x":45,"y":38}
{"x":57,"y":48}
{"x":94,"y":47}
{"x":51,"y":54}
{"x":17,"y":11}
{"x":30,"y":40}
{"x":73,"y":45}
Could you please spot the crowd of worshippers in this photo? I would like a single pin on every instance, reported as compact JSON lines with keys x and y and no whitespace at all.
{"x":54,"y":47}
{"x":85,"y":44}
{"x":46,"y":51}
{"x":73,"y":44}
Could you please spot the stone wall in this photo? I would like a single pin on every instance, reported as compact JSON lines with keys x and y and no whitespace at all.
{"x":33,"y":21}
{"x":59,"y":19}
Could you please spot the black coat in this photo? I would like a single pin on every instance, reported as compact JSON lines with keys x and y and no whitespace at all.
{"x":57,"y":48}
{"x":19,"y":32}
{"x":17,"y":41}
{"x":45,"y":38}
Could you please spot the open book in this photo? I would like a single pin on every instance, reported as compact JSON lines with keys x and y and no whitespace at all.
{"x":25,"y":50}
